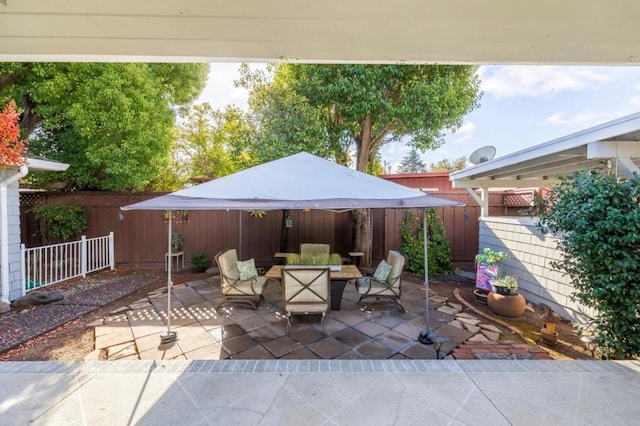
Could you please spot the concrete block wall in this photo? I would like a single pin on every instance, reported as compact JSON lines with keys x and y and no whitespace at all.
{"x":531,"y":255}
{"x":13,"y":207}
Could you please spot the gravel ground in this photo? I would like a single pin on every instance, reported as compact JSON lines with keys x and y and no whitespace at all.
{"x":81,"y":297}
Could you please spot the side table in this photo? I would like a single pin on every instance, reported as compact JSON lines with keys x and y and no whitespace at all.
{"x":179,"y":257}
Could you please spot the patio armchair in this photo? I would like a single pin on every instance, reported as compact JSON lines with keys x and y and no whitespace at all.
{"x":387,"y":290}
{"x":234,"y":289}
{"x":314,"y":249}
{"x":306,"y":291}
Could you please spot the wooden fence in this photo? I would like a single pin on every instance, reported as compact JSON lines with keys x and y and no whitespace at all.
{"x":141,"y":236}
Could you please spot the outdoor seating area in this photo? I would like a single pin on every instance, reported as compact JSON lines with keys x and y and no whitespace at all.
{"x":236,"y":332}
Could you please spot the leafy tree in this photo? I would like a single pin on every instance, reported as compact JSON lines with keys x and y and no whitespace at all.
{"x":283,"y":121}
{"x":368,"y":105}
{"x":111,"y":121}
{"x":412,"y":231}
{"x":447,"y":165}
{"x":597,"y":218}
{"x":205,"y":139}
{"x":11,"y":147}
{"x":412,"y":163}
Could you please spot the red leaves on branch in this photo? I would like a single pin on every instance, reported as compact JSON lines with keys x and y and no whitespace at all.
{"x":11,"y":147}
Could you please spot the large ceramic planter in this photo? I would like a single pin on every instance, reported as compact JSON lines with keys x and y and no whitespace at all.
{"x":512,"y":306}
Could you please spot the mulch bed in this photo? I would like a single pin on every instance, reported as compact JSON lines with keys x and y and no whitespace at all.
{"x":81,"y":297}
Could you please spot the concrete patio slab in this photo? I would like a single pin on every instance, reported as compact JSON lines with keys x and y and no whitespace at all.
{"x":341,"y":392}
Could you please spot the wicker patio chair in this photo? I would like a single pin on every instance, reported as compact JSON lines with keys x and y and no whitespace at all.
{"x":383,"y":291}
{"x":235,"y":290}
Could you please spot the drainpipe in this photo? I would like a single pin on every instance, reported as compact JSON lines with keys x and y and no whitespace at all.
{"x":4,"y":232}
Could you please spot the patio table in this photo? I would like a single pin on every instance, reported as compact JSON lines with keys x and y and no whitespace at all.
{"x":338,"y":281}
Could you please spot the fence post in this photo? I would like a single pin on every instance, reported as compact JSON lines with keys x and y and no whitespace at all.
{"x":112,"y":255}
{"x":23,"y":263}
{"x":83,"y":255}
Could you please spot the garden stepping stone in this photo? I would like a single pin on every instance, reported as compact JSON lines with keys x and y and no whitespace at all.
{"x":466,"y":315}
{"x":472,"y":328}
{"x":447,"y":310}
{"x":455,"y":324}
{"x":468,"y":320}
{"x":491,"y":335}
{"x":456,"y":306}
{"x":489,"y":327}
{"x":438,"y":299}
{"x":120,"y":309}
{"x":144,"y":304}
{"x":36,"y":298}
{"x":478,"y":338}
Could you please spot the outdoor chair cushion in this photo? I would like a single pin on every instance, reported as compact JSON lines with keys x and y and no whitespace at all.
{"x":382,"y":271}
{"x":247,"y":269}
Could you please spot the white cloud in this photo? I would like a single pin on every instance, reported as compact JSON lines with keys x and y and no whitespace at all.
{"x":582,"y":119}
{"x":220,"y":91}
{"x":535,"y":81}
{"x":463,"y":134}
{"x":635,"y":100}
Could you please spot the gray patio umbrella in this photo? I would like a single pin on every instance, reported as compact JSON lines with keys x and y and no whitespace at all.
{"x":295,"y":182}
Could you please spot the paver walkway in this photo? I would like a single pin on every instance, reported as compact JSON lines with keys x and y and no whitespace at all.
{"x":236,"y":333}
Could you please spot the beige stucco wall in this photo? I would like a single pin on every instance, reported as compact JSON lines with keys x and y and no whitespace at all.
{"x":531,"y":255}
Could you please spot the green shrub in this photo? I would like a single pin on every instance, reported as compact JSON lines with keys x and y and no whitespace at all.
{"x":412,"y":233}
{"x":597,"y":220}
{"x":60,"y":222}
{"x":199,"y":260}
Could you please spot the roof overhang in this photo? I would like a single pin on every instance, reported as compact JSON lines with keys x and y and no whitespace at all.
{"x":408,"y":31}
{"x":606,"y":145}
{"x":45,"y":165}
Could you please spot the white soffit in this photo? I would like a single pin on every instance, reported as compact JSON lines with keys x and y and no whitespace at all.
{"x":44,"y":164}
{"x":541,"y":165}
{"x":411,"y":31}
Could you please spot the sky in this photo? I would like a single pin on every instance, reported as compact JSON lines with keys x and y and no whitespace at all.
{"x":521,"y":106}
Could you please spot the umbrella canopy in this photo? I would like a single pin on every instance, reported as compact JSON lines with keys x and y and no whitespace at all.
{"x":295,"y":182}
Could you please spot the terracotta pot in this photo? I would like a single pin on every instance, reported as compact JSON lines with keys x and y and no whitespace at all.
{"x":506,"y":305}
{"x":549,"y":338}
{"x":480,"y":296}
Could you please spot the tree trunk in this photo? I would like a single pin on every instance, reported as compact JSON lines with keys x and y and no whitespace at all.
{"x":362,"y":217}
{"x":284,"y":231}
{"x":362,"y":234}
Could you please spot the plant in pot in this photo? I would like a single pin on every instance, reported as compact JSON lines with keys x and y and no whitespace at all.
{"x":504,"y":299}
{"x":199,"y":261}
{"x":177,"y":242}
{"x":487,"y":269}
{"x":506,"y":284}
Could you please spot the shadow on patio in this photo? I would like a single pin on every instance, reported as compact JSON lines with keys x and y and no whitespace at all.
{"x":238,"y":333}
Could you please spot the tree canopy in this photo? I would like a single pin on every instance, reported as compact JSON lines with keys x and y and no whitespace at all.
{"x":412,"y":163}
{"x":112,"y":122}
{"x":448,"y":165}
{"x":362,"y":107}
{"x":11,"y":147}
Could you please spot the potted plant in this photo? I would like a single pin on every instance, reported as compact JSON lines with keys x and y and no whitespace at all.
{"x":504,"y":299}
{"x":506,"y":284}
{"x":487,"y":269}
{"x":177,"y":242}
{"x":184,"y":215}
{"x":199,"y":261}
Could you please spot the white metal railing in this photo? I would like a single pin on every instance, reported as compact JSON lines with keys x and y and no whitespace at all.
{"x":47,"y":265}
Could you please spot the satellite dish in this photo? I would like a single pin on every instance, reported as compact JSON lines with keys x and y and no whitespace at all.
{"x":482,"y":155}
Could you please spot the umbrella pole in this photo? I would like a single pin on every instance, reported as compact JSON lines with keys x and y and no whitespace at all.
{"x":427,"y":335}
{"x":169,"y":336}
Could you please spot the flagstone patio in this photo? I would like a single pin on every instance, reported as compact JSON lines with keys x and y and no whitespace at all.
{"x":133,"y":332}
